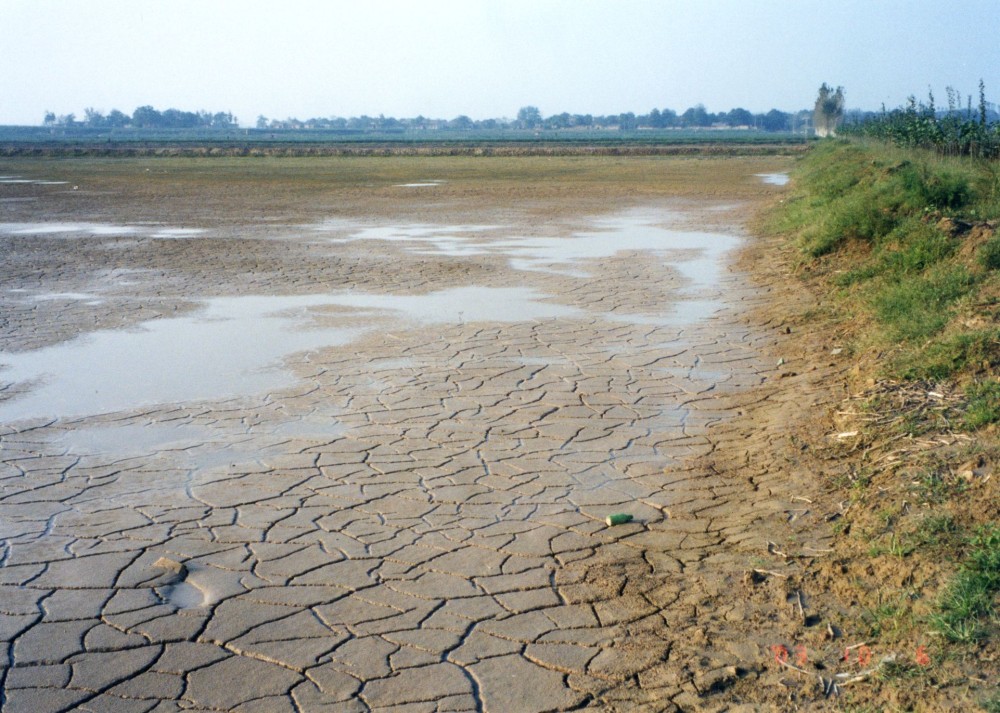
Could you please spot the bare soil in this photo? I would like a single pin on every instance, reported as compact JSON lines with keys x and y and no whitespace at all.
{"x":447,"y":550}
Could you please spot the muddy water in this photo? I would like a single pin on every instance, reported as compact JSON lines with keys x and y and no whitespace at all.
{"x":236,"y":346}
{"x":774,"y":179}
{"x":378,"y":480}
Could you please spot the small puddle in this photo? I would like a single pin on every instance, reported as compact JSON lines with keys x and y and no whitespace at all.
{"x":775,"y":179}
{"x":184,"y":596}
{"x":465,"y":304}
{"x":66,"y":297}
{"x":694,"y":254}
{"x":134,"y":439}
{"x":232,"y":348}
{"x":31,"y":181}
{"x":451,"y":240}
{"x":190,"y":445}
{"x":178,"y":232}
{"x":559,"y":255}
{"x":98,"y":230}
{"x":420,"y":184}
{"x":236,"y":346}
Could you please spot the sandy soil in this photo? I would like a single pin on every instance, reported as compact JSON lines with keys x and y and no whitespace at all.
{"x":415,"y":519}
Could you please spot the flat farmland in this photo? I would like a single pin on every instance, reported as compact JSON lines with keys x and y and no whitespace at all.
{"x":342,"y":433}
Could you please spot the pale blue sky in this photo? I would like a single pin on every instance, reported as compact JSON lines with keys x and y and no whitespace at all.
{"x":485,"y":58}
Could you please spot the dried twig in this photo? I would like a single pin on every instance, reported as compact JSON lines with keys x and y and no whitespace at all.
{"x":770,"y":572}
{"x":846,"y":678}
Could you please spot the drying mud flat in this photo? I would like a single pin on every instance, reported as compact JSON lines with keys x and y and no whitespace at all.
{"x":343,"y":434}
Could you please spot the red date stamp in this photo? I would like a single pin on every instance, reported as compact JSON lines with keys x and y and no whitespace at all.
{"x":860,"y":654}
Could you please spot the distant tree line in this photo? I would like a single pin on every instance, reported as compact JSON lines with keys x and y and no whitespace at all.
{"x":528,"y":118}
{"x":955,"y":131}
{"x":145,"y":117}
{"x":531,"y":118}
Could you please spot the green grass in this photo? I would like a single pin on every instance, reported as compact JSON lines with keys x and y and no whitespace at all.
{"x":989,"y":254}
{"x":854,"y":193}
{"x":992,"y":704}
{"x":879,"y":222}
{"x":950,"y":354}
{"x":967,"y":609}
{"x":983,"y":407}
{"x":917,"y":307}
{"x":936,"y":531}
{"x":888,"y":620}
{"x":895,"y":546}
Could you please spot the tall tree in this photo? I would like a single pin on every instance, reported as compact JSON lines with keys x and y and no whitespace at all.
{"x":528,"y":117}
{"x":828,"y":111}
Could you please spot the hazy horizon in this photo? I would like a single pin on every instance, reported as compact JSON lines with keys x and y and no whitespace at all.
{"x":443,"y":59}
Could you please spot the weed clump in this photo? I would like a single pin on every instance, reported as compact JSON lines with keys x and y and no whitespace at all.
{"x":989,"y":254}
{"x":984,"y":404}
{"x":967,"y":605}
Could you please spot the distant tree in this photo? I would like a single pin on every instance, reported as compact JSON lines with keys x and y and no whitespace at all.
{"x":529,"y":117}
{"x":982,"y":103}
{"x":558,"y":121}
{"x":775,"y":120}
{"x":146,"y":117}
{"x":117,"y":119}
{"x":177,"y":119}
{"x":50,"y":118}
{"x":261,"y":121}
{"x":739,"y":117}
{"x":696,"y":116}
{"x":829,"y":110}
{"x":93,"y":118}
{"x":627,"y":122}
{"x":668,"y":117}
{"x":223,"y":120}
{"x":462,"y":123}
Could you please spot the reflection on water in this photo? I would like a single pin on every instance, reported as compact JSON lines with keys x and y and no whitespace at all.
{"x":191,"y":445}
{"x":98,"y":230}
{"x":569,"y":255}
{"x":464,"y":304}
{"x":137,"y":438}
{"x":421,"y":184}
{"x":229,"y":349}
{"x":775,"y":179}
{"x":453,"y":240}
{"x":30,"y":181}
{"x":236,"y":346}
{"x":233,"y":347}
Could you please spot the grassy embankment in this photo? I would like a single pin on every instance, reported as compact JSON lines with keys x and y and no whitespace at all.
{"x":903,"y":244}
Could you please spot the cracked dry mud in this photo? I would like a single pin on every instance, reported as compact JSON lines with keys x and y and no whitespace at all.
{"x":411,"y":515}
